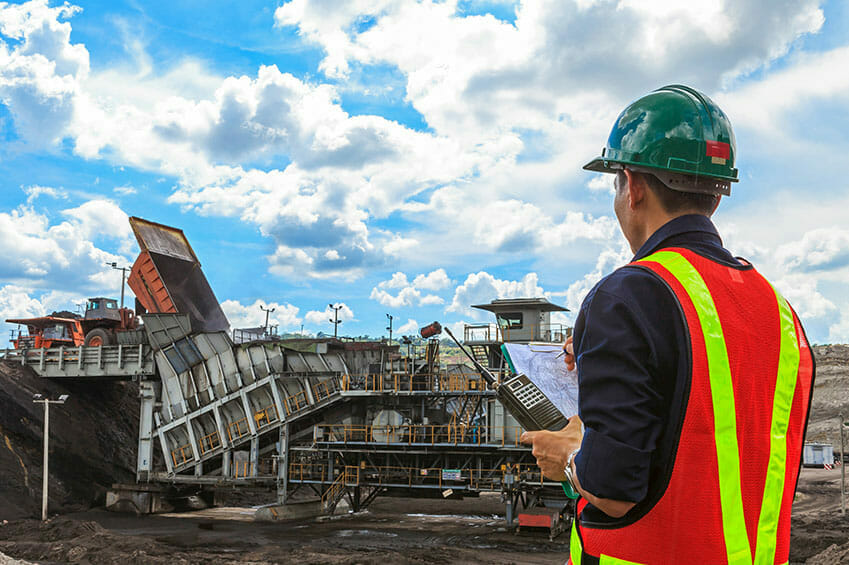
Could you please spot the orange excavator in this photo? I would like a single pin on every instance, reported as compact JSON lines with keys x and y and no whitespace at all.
{"x":98,"y":326}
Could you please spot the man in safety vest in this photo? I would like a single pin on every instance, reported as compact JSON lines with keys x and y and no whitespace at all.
{"x":695,"y":374}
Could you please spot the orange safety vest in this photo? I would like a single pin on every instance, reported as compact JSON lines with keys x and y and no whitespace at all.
{"x":729,"y":495}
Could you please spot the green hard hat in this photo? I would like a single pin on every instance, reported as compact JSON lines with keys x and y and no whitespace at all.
{"x":679,"y":135}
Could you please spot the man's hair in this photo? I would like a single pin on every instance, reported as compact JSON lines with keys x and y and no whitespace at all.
{"x":675,"y":201}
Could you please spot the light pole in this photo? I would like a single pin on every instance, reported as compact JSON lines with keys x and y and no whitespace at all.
{"x":267,"y":312}
{"x":390,"y":328}
{"x":39,"y":399}
{"x":123,"y":277}
{"x":842,"y":469}
{"x":335,"y":320}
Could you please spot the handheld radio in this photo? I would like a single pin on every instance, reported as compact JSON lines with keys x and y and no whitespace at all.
{"x":522,"y":398}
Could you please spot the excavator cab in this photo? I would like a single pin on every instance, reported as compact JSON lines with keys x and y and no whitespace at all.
{"x":102,"y":309}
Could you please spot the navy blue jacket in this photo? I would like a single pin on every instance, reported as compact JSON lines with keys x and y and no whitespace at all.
{"x":631,"y":346}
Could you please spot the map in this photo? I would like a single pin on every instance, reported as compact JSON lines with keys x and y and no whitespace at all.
{"x":540,"y":362}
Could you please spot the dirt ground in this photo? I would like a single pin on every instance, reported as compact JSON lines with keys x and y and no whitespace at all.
{"x":392,"y":530}
{"x":403,"y":531}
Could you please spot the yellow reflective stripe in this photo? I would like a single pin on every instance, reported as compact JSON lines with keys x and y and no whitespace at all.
{"x":575,"y":548}
{"x":785,"y":387}
{"x":722,"y":394}
{"x":607,"y":560}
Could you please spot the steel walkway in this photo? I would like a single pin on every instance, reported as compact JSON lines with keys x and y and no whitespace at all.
{"x":113,"y":361}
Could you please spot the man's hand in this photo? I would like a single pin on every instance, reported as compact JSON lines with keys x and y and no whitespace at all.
{"x":552,"y":449}
{"x":569,"y":357}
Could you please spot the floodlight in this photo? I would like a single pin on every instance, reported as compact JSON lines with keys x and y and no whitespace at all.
{"x":36,"y":397}
{"x":63,"y":398}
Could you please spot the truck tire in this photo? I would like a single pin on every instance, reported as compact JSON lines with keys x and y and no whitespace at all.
{"x":99,"y":336}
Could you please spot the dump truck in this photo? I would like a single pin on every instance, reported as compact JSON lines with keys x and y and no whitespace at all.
{"x":167,"y":277}
{"x":100,"y":324}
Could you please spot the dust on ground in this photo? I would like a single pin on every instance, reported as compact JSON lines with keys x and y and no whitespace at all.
{"x":819,"y":532}
{"x":392,"y":530}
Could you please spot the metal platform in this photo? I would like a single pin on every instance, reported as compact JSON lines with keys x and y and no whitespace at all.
{"x":128,"y":362}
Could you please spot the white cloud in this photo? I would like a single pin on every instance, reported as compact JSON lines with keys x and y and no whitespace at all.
{"x":822,"y":249}
{"x":323,"y":318}
{"x":35,"y":191}
{"x":434,"y":280}
{"x":15,"y":302}
{"x":431,"y":299}
{"x":284,"y":316}
{"x":409,"y":328}
{"x":406,"y":297}
{"x":802,"y":293}
{"x":40,"y":254}
{"x":838,"y":332}
{"x":410,"y":293}
{"x":482,"y":288}
{"x":468,"y":73}
{"x":773,"y":105}
{"x":398,"y":280}
{"x":40,"y":69}
{"x":602,"y":183}
{"x":125,"y":190}
{"x":492,"y":92}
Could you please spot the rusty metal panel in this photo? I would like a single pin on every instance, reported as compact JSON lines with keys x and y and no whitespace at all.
{"x":162,"y":239}
{"x":147,"y":285}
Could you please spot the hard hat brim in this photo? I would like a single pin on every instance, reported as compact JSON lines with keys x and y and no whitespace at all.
{"x":599,"y":165}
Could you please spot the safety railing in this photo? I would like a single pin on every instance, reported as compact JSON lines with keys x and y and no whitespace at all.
{"x":297,"y":401}
{"x":241,"y":469}
{"x":352,"y":475}
{"x":334,"y":492}
{"x":238,"y":429}
{"x":324,"y":389}
{"x":209,"y":443}
{"x":419,"y":434}
{"x":554,"y":333}
{"x":82,"y":361}
{"x":307,"y":471}
{"x":482,"y":333}
{"x":266,"y":416}
{"x":182,"y":455}
{"x":405,"y":383}
{"x":437,"y":477}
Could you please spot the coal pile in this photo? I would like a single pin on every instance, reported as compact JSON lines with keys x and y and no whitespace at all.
{"x":831,"y":394}
{"x":93,"y":440}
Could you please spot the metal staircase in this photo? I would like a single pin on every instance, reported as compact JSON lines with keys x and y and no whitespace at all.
{"x":481,"y":354}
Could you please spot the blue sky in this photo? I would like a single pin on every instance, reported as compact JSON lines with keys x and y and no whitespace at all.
{"x":401,"y":157}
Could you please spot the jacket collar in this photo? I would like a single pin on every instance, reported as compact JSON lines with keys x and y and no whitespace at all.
{"x":677,"y":226}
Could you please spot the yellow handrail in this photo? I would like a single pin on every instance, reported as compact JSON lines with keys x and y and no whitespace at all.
{"x":431,"y":434}
{"x":236,"y":429}
{"x":210,"y":442}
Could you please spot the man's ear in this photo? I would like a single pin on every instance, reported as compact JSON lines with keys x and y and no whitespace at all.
{"x":636,"y":189}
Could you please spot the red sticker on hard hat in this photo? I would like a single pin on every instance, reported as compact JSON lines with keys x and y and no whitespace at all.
{"x":718,"y":149}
